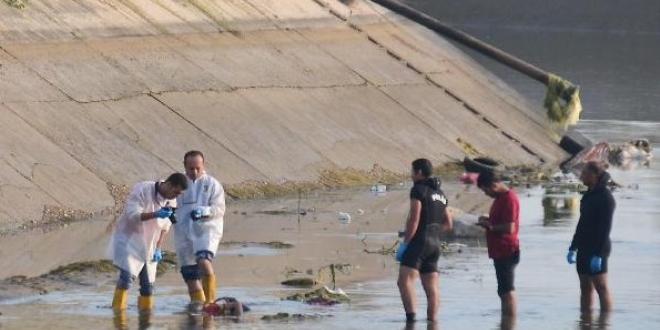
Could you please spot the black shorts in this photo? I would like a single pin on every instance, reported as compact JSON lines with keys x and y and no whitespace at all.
{"x":505,"y":272}
{"x":423,"y":257}
{"x":583,"y":264}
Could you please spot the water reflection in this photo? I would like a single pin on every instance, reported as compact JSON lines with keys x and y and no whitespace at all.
{"x":120,"y":320}
{"x":558,"y":208}
{"x":144,"y":320}
{"x":421,"y":326}
{"x":587,"y":321}
{"x":195,"y":322}
{"x":508,"y":322}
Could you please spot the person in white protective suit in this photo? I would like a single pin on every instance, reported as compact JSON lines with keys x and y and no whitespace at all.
{"x":199,"y":229}
{"x":135,"y":246}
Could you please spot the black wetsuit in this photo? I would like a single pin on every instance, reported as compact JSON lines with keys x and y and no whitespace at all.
{"x":423,"y":250}
{"x":592,"y":235}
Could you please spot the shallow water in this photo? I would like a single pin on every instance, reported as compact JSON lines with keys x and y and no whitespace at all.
{"x":547,"y":287}
{"x":609,"y":48}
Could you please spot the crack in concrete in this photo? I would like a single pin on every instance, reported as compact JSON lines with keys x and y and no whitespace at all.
{"x":204,"y":133}
{"x":428,"y":78}
{"x":36,"y":73}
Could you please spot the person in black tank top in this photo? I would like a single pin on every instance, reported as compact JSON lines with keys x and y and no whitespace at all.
{"x":419,"y":251}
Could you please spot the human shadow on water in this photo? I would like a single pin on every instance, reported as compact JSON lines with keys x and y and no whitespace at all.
{"x":588,"y":322}
{"x":421,"y":326}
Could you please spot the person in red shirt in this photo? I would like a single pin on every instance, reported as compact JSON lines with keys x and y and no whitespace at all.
{"x":501,"y":226}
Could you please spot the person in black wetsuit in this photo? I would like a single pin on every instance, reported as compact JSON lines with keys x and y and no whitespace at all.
{"x":591,"y":244}
{"x":419,"y":251}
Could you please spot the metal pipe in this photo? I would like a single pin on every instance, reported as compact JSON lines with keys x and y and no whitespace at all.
{"x":466,"y":39}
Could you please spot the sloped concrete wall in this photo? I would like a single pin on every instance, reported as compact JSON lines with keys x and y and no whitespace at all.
{"x":96,"y":93}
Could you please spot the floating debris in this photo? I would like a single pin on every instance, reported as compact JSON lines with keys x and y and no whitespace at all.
{"x":379,"y":189}
{"x":271,"y":244}
{"x":300,"y":282}
{"x":344,"y":217}
{"x":99,"y":266}
{"x":322,"y":296}
{"x":287,"y":317}
{"x":382,"y":250}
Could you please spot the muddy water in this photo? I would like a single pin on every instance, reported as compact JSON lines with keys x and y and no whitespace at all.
{"x":547,"y":287}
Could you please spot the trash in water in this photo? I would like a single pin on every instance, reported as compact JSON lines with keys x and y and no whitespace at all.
{"x":379,"y":189}
{"x":344,"y":217}
{"x":322,"y":296}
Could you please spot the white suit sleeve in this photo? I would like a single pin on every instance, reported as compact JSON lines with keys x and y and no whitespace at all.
{"x":216,"y":203}
{"x":135,"y":203}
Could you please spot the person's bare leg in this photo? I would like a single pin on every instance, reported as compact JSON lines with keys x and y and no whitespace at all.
{"x":509,"y":305}
{"x":507,"y":322}
{"x":407,"y":276}
{"x":586,"y":293}
{"x":600,"y":284}
{"x":206,"y":266}
{"x":430,"y":285}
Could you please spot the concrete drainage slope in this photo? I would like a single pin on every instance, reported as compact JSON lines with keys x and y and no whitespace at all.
{"x":105,"y":93}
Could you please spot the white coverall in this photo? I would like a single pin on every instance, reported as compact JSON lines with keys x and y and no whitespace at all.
{"x":190,"y":236}
{"x":133,"y":241}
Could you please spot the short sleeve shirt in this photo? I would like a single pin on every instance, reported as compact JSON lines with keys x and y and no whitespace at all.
{"x":505,"y":209}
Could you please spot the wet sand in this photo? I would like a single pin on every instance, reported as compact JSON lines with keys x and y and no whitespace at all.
{"x":310,"y":223}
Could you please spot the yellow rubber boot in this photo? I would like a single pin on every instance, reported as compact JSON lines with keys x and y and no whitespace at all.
{"x":145,"y":303}
{"x":197,"y":296}
{"x":119,"y":299}
{"x":208,"y":285}
{"x":196,"y":301}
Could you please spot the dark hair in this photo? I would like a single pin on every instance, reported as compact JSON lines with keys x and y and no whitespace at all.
{"x":193,"y":153}
{"x":487,"y":178}
{"x":178,"y":180}
{"x":595,"y":167}
{"x":424,"y":165}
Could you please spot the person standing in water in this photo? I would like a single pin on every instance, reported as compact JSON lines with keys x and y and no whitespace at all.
{"x":199,"y":230}
{"x":501,"y":226}
{"x":591,"y":245}
{"x":419,"y":251}
{"x":135,"y":246}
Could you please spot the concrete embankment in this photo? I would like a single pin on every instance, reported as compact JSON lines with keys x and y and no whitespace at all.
{"x":96,"y":94}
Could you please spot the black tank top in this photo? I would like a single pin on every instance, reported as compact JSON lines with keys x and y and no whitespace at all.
{"x":434,"y":203}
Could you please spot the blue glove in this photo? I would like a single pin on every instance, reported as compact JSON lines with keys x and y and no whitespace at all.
{"x":571,"y":256}
{"x":596,"y":264}
{"x":196,"y":214}
{"x":401,"y":250}
{"x":163,"y":212}
{"x":158,"y":255}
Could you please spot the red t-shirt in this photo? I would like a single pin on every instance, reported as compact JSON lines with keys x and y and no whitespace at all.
{"x":505,"y":209}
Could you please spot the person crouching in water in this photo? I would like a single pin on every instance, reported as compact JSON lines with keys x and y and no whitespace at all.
{"x":135,"y":246}
{"x":419,"y":251}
